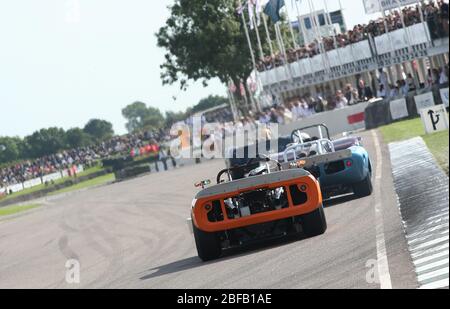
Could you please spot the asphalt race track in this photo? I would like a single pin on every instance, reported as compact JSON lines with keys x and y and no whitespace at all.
{"x":134,"y":235}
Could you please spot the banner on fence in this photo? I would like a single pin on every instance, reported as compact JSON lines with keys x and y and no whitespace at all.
{"x":418,"y":34}
{"x":376,"y":6}
{"x":333,"y":57}
{"x":51,"y":177}
{"x":444,"y":96}
{"x":317,"y":63}
{"x":361,"y":50}
{"x":399,"y":109}
{"x":15,"y":188}
{"x":383,"y":44}
{"x":346,"y":55}
{"x":32,"y":183}
{"x":423,"y":101}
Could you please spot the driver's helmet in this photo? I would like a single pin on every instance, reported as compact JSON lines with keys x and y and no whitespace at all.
{"x":304,"y":136}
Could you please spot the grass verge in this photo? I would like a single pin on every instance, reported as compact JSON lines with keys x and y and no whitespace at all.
{"x":438,"y":143}
{"x":12,"y":210}
{"x":87,"y":184}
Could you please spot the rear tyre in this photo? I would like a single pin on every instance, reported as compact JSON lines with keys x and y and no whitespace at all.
{"x":208,"y":245}
{"x":315,"y":223}
{"x":363,"y":188}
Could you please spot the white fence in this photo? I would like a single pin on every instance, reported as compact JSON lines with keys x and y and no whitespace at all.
{"x":39,"y":181}
{"x":402,"y":38}
{"x":361,"y":56}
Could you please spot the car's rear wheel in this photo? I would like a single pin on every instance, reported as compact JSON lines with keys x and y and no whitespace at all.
{"x":315,"y":223}
{"x":363,"y":188}
{"x":208,"y":244}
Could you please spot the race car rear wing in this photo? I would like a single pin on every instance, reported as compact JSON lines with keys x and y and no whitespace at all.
{"x":310,"y":162}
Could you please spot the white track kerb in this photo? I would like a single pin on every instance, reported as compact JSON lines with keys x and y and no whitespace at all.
{"x":382,"y":260}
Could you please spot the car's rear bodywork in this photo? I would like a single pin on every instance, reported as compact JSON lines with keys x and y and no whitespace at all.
{"x":253,"y":208}
{"x":212,"y":211}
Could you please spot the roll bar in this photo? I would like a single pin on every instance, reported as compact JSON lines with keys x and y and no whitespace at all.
{"x":320,"y":127}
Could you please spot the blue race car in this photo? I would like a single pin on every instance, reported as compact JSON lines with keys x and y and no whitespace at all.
{"x":342,"y":166}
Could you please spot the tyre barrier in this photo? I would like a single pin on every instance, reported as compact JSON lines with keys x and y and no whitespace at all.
{"x":159,"y":166}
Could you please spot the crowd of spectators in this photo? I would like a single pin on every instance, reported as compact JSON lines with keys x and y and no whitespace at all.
{"x":435,"y":14}
{"x":86,"y":156}
{"x":401,"y":88}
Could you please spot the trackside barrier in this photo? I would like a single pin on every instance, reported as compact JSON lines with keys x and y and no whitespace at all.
{"x":347,"y":119}
{"x":388,"y":111}
{"x":42,"y":180}
{"x":47,"y":190}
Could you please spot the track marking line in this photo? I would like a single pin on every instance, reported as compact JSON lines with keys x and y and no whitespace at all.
{"x":382,"y":260}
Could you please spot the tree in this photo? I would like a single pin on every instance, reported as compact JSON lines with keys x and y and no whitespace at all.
{"x":204,"y":39}
{"x":209,"y":102}
{"x":10,"y":149}
{"x":135,"y":114}
{"x":45,"y":142}
{"x":98,"y":129}
{"x":141,"y":117}
{"x":173,"y":117}
{"x":154,"y":119}
{"x":76,"y":138}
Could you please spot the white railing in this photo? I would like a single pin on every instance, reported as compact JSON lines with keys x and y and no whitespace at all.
{"x":411,"y":43}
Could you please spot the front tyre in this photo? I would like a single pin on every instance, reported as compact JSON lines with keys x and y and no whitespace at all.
{"x":315,"y":223}
{"x":208,"y":245}
{"x":363,"y":188}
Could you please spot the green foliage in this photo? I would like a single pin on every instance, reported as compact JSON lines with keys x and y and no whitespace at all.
{"x":141,"y":117}
{"x":154,"y":119}
{"x":135,"y":113}
{"x":100,"y":130}
{"x":204,"y":40}
{"x":209,"y":102}
{"x":45,"y":142}
{"x":10,"y":149}
{"x":77,"y":138}
{"x":173,"y":117}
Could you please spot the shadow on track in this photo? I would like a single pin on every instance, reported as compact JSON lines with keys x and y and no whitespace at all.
{"x":339,"y":200}
{"x":230,"y":254}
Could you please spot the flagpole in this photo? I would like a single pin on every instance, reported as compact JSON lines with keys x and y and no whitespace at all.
{"x":261,"y":54}
{"x":251,"y":50}
{"x":269,"y":39}
{"x":258,"y":38}
{"x":302,"y":27}
{"x":319,"y":38}
{"x":291,"y":28}
{"x":300,"y":23}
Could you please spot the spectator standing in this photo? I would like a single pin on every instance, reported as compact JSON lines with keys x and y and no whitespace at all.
{"x":341,"y":101}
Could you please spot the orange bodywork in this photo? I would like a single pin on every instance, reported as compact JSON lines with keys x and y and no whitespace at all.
{"x":314,"y":201}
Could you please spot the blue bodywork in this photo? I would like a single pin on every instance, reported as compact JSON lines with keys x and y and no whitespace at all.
{"x":359,"y":170}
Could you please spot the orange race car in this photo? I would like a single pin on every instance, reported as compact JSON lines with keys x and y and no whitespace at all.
{"x":260,"y":200}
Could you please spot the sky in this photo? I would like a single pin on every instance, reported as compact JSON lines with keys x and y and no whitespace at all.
{"x":64,"y":62}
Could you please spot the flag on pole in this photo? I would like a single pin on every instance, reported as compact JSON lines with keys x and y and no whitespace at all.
{"x":273,"y":10}
{"x":240,"y":9}
{"x":259,"y":9}
{"x":251,"y":14}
